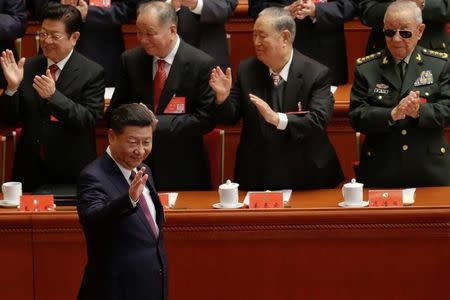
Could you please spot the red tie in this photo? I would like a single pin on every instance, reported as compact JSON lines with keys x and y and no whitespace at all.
{"x":158,"y":83}
{"x":144,"y":207}
{"x":53,"y":68}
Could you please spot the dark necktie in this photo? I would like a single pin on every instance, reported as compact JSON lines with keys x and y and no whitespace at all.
{"x":401,"y":69}
{"x":53,"y":68}
{"x":277,"y":92}
{"x":144,"y":207}
{"x":158,"y":83}
{"x":276,"y":78}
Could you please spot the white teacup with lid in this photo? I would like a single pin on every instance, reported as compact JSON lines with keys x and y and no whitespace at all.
{"x":353,"y":193}
{"x":228,"y":193}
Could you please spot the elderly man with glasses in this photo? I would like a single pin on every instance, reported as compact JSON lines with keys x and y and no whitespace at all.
{"x":56,"y":98}
{"x":400,"y":100}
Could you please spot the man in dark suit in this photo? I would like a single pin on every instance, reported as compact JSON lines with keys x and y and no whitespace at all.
{"x":320,"y":30}
{"x":13,"y":20}
{"x":435,"y":14}
{"x":101,"y":38}
{"x":171,"y":77}
{"x":122,"y":216}
{"x":283,"y":143}
{"x":400,"y":100}
{"x":57,"y":98}
{"x":202,"y":24}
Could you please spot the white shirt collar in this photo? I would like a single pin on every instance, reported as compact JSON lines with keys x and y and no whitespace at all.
{"x":126,"y":172}
{"x":171,"y":56}
{"x":61,"y":63}
{"x":285,"y":71}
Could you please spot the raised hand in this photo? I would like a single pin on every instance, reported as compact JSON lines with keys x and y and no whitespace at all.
{"x":264,"y":109}
{"x":12,"y":71}
{"x":221,"y":83}
{"x":137,"y":185}
{"x":44,"y":85}
{"x":83,"y":8}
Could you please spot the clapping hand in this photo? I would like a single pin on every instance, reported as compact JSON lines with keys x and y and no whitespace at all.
{"x":12,"y":71}
{"x":44,"y":85}
{"x":408,"y":106}
{"x":264,"y":109}
{"x":221,"y":83}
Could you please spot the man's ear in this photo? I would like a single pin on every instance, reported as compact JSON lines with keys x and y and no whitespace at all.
{"x":74,"y":37}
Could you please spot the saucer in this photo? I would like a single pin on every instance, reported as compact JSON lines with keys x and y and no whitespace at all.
{"x":8,"y":203}
{"x":218,"y":205}
{"x":360,"y":204}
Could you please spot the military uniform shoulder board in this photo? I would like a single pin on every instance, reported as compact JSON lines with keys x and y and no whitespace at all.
{"x":367,"y":58}
{"x":437,"y":54}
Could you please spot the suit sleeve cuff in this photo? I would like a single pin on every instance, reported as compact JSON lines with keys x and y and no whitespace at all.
{"x":133,"y":203}
{"x":282,"y":124}
{"x":10,"y":92}
{"x":198,"y":9}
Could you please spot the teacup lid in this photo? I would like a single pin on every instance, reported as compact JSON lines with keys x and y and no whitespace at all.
{"x":229,"y":185}
{"x":353,"y":183}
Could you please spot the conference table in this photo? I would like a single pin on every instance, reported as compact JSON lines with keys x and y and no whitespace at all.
{"x":312,"y":249}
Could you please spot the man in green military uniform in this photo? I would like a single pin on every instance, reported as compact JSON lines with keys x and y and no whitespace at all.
{"x":435,"y":14}
{"x":400,"y":100}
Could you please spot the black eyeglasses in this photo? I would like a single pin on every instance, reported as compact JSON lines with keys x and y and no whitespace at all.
{"x":405,"y":34}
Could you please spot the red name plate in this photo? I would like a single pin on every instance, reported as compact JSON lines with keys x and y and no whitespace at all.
{"x":384,"y":198}
{"x":100,"y":3}
{"x":164,"y":198}
{"x":176,"y":106}
{"x":266,"y":200}
{"x":36,"y":203}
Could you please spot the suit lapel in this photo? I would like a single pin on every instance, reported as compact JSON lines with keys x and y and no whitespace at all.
{"x":117,"y":179}
{"x":145,"y":72}
{"x":293,"y":85}
{"x":41,"y":68}
{"x":388,"y":71}
{"x":70,"y":72}
{"x":412,"y":72}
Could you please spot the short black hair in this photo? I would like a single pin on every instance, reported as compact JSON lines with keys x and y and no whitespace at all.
{"x":132,"y":114}
{"x":68,"y":14}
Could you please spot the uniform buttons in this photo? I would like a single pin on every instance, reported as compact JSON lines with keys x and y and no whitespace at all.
{"x":160,"y":272}
{"x":369,"y":153}
{"x":405,"y":147}
{"x":404,"y":132}
{"x":442,"y":150}
{"x":427,"y":94}
{"x":380,"y":97}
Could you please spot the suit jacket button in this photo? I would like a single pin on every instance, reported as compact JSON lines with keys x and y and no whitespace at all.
{"x":369,"y":153}
{"x":405,"y":147}
{"x":404,"y":132}
{"x":442,"y":150}
{"x":161,"y":272}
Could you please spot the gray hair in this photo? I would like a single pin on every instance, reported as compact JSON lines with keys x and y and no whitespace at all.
{"x":404,"y":5}
{"x":282,"y":19}
{"x":165,"y":12}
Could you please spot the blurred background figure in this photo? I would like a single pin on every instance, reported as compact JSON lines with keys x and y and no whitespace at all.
{"x":435,"y":15}
{"x":201,"y":23}
{"x":320,"y":30}
{"x":13,"y":19}
{"x":101,"y":37}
